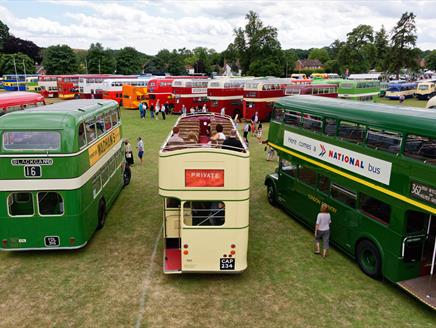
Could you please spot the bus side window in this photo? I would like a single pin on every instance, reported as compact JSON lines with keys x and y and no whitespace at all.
{"x":204,"y":213}
{"x":82,"y":135}
{"x":100,"y":125}
{"x":387,"y":141}
{"x":114,"y":118}
{"x":343,"y":195}
{"x":375,"y":208}
{"x":292,"y":118}
{"x":50,"y":203}
{"x":90,"y":130}
{"x":307,"y":175}
{"x":351,"y":131}
{"x":313,"y":123}
{"x":107,"y":122}
{"x":330,"y":127}
{"x":20,"y":204}
{"x":416,"y":222}
{"x":421,"y":148}
{"x":323,"y":184}
{"x":288,"y":168}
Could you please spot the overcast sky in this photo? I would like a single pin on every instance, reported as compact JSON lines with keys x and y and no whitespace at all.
{"x":153,"y":25}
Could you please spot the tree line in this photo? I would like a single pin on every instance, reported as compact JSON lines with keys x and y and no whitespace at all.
{"x":255,"y":51}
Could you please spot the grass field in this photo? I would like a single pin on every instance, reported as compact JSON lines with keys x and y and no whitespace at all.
{"x":117,"y":280}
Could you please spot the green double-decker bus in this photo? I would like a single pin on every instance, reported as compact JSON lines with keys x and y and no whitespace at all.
{"x":361,"y":90}
{"x":62,"y":168}
{"x":375,"y":166}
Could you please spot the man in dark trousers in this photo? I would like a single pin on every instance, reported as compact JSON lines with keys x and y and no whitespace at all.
{"x":232,"y":142}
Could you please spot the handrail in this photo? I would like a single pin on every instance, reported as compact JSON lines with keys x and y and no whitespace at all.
{"x":404,"y":243}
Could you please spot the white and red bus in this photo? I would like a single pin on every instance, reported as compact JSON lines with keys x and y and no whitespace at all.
{"x":11,"y":101}
{"x":227,"y":93}
{"x":48,"y":85}
{"x":189,"y":92}
{"x":259,"y":96}
{"x":322,"y":90}
{"x":160,"y":89}
{"x":92,"y":86}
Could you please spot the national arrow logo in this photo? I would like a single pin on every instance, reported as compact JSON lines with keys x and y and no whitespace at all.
{"x":323,"y":151}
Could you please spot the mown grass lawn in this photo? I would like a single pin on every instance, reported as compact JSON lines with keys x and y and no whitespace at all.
{"x":115,"y":282}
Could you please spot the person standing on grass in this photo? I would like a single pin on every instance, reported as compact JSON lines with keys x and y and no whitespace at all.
{"x":145,"y":108}
{"x":247,"y":128}
{"x":183,"y":109}
{"x":322,"y":230}
{"x":151,"y":111}
{"x":128,"y":152}
{"x":141,"y":110}
{"x":163,"y":110}
{"x":157,"y":110}
{"x":140,"y":146}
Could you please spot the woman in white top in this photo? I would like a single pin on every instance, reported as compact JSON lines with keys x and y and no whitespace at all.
{"x":322,"y":230}
{"x":219,"y":135}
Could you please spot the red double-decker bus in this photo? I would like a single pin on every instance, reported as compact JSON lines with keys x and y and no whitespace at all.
{"x":259,"y":96}
{"x":68,"y":86}
{"x":113,"y":88}
{"x":189,"y":92}
{"x":227,"y":93}
{"x":323,"y":90}
{"x":160,"y":89}
{"x":48,"y":85}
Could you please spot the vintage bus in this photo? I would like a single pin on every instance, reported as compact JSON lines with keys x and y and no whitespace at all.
{"x":226,"y":93}
{"x":260,"y":95}
{"x":376,"y":172}
{"x":431,"y":103}
{"x":318,"y":76}
{"x":189,"y":92}
{"x":297,"y":76}
{"x":68,"y":86}
{"x":12,"y":101}
{"x":133,"y":96}
{"x":91,"y":87}
{"x":396,"y":90}
{"x":32,"y":84}
{"x":206,"y":198}
{"x":15,"y":82}
{"x":425,"y":90}
{"x":323,"y":90}
{"x":113,"y":88}
{"x":160,"y":89}
{"x":62,"y":171}
{"x":48,"y":85}
{"x":361,"y":90}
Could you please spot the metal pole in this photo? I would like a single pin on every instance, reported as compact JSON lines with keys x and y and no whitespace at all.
{"x":16,"y":74}
{"x":99,"y":66}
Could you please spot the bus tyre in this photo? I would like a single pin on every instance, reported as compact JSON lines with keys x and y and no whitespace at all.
{"x":271,"y":194}
{"x":76,"y":96}
{"x":369,"y":259}
{"x":101,"y":214}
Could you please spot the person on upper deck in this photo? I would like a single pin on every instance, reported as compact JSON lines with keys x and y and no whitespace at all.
{"x":232,"y":142}
{"x":175,"y":137}
{"x":219,"y":135}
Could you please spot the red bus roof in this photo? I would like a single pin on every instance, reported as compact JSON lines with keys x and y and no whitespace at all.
{"x":17,"y":98}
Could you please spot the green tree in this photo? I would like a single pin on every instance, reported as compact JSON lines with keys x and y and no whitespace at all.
{"x":431,"y":60}
{"x":403,"y":53}
{"x":129,"y":61}
{"x":358,"y":52}
{"x":60,"y":59}
{"x":22,"y":62}
{"x":381,"y":44}
{"x":254,"y":43}
{"x":100,"y":60}
{"x":4,"y":34}
{"x":319,"y":53}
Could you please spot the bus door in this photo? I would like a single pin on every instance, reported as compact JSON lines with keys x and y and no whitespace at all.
{"x":172,"y":245}
{"x":420,"y":245}
{"x":287,"y":184}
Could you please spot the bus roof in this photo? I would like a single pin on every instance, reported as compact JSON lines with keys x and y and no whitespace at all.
{"x":383,"y":116}
{"x":8,"y":99}
{"x":56,"y":116}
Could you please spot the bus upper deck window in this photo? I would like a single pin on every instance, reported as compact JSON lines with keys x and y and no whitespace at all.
{"x":50,"y":203}
{"x":204,"y":213}
{"x":351,"y":131}
{"x":82,"y":135}
{"x":311,"y":122}
{"x":20,"y":204}
{"x":292,"y":118}
{"x":421,"y":148}
{"x":90,"y":130}
{"x":388,"y":141}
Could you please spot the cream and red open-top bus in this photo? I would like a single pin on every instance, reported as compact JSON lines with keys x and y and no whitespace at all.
{"x":206,"y":190}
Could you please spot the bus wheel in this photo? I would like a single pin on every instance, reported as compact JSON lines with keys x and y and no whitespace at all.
{"x":369,"y":259}
{"x":271,"y":194}
{"x":76,"y":96}
{"x":101,"y":214}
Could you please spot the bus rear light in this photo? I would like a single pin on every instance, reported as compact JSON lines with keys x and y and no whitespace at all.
{"x":185,"y":252}
{"x":233,"y":246}
{"x":4,"y":243}
{"x":72,"y":240}
{"x":185,"y":246}
{"x":232,"y":252}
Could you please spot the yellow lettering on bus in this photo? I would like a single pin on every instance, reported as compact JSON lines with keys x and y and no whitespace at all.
{"x":100,"y":148}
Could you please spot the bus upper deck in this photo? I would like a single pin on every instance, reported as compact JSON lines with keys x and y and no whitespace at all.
{"x":206,"y":198}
